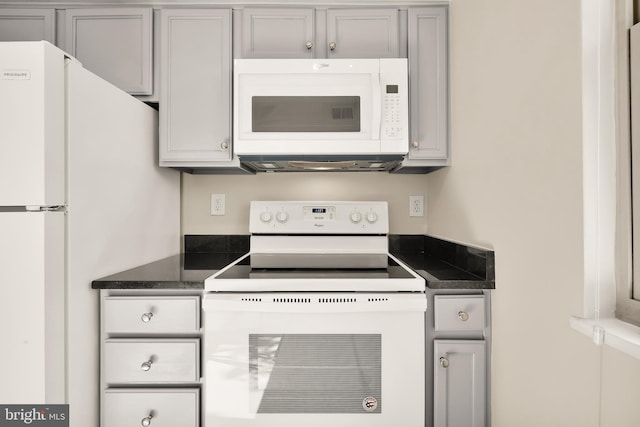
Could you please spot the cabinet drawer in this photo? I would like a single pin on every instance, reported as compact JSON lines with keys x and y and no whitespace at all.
{"x":167,"y":408}
{"x":459,"y":312}
{"x":149,"y":361}
{"x":144,"y":315}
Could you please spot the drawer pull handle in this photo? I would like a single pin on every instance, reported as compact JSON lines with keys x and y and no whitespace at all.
{"x":146,"y":365}
{"x":463,"y":315}
{"x":146,"y":318}
{"x":444,"y":362}
{"x":146,"y":421}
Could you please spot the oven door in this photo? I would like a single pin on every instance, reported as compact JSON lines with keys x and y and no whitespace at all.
{"x":314,"y":359}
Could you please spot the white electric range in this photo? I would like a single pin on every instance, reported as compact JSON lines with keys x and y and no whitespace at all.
{"x":318,"y":325}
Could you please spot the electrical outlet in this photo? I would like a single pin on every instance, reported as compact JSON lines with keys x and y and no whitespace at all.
{"x":416,"y":205}
{"x":217,"y":204}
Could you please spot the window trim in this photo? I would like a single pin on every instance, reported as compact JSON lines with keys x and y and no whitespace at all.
{"x":628,"y":308}
{"x":609,"y":312}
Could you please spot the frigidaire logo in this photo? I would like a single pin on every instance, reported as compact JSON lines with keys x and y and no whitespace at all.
{"x":16,"y":74}
{"x":36,"y":415}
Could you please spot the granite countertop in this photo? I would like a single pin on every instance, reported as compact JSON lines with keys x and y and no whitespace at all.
{"x":203,"y":256}
{"x":182,"y":271}
{"x":443,"y":264}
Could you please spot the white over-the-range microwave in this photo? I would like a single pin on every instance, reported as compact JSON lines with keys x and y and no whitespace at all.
{"x":311,"y":114}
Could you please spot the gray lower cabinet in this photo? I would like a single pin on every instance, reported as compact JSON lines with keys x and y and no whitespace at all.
{"x":316,"y":33}
{"x":429,"y":89}
{"x":195,"y":90}
{"x":27,"y":25}
{"x":150,"y":358}
{"x":458,"y":358}
{"x":459,"y":383}
{"x":116,"y":44}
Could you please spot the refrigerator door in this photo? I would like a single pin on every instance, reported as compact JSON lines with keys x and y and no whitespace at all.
{"x":32,"y":120}
{"x":32,"y":308}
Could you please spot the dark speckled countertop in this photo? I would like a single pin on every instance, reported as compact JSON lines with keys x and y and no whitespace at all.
{"x":443,"y":264}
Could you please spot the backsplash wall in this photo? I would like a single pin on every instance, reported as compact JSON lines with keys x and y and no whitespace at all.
{"x":240,"y":190}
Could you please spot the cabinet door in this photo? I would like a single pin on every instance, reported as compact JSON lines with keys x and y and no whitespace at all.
{"x":428,"y":85}
{"x":459,"y":383}
{"x":362,"y":33}
{"x":27,"y":25}
{"x":195,"y":94}
{"x":276,"y":33}
{"x":115,"y":44}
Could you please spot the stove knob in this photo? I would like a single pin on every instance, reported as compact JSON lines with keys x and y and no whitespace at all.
{"x":282,"y":216}
{"x":356,"y":217}
{"x":372,"y":217}
{"x":266,"y":216}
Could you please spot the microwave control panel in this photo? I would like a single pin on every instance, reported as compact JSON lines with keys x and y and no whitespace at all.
{"x":391,"y":113}
{"x":394,"y":121}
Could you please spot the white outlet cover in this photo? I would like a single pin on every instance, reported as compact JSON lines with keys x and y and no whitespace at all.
{"x":217,"y":204}
{"x":416,"y":205}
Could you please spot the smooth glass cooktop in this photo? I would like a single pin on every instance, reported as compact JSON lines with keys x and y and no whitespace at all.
{"x":243,"y":269}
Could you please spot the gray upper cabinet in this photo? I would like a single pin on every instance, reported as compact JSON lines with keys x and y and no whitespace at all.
{"x":27,"y":25}
{"x":429,"y":88}
{"x":363,"y":33}
{"x":275,"y":33}
{"x":459,"y":383}
{"x":115,"y":44}
{"x":316,"y":33}
{"x":195,"y":88}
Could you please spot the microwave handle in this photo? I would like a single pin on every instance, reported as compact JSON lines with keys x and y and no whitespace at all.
{"x":376,"y":124}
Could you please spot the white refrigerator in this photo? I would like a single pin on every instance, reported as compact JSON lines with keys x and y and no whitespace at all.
{"x":81,"y":197}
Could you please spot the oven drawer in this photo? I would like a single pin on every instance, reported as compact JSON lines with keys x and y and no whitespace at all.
{"x":459,"y":313}
{"x":148,"y":315}
{"x":151,"y":361}
{"x":151,"y":407}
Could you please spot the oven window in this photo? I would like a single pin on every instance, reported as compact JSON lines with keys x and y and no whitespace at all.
{"x":316,"y":373}
{"x":305,"y":113}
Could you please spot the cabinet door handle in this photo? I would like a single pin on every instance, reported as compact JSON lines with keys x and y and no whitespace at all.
{"x":415,"y":144}
{"x":146,"y":365}
{"x":146,"y":317}
{"x":463,"y":315}
{"x":309,"y":45}
{"x":224,"y":146}
{"x":146,"y":421}
{"x":444,"y":362}
{"x":332,"y":46}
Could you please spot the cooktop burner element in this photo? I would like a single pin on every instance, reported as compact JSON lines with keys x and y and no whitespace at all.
{"x":317,"y":247}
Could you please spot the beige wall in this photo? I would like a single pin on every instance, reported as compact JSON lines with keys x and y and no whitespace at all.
{"x":516,"y":182}
{"x":515,"y":185}
{"x":240,"y":190}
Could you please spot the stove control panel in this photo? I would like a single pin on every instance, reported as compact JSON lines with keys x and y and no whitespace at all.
{"x":313,"y":217}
